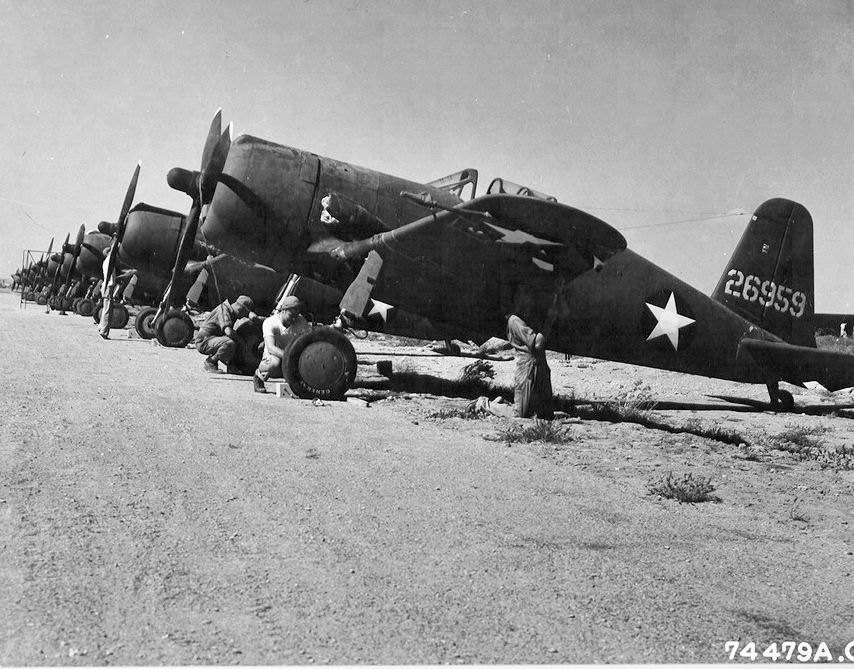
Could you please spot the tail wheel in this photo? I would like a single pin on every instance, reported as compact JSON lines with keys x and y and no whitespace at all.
{"x":85,"y":307}
{"x":787,"y":401}
{"x":144,"y":323}
{"x":174,"y":329}
{"x":320,"y":363}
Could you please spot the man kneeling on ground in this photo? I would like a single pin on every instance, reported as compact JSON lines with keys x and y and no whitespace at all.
{"x":216,"y":337}
{"x":280,"y":330}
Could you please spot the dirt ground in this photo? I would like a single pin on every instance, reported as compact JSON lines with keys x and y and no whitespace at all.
{"x":154,"y":514}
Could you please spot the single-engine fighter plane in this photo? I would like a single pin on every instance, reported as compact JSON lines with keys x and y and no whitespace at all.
{"x":148,"y":248}
{"x":392,"y":245}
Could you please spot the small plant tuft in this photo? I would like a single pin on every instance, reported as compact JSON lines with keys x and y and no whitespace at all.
{"x":796,"y":512}
{"x":479,"y":370}
{"x":687,"y":488}
{"x":468,"y":412}
{"x":546,"y":431}
{"x":633,"y":405}
{"x":799,"y":440}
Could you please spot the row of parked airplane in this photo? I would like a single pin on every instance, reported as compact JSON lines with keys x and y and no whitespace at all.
{"x":364,"y":249}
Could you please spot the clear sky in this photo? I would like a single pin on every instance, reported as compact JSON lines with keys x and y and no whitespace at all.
{"x":654,"y":115}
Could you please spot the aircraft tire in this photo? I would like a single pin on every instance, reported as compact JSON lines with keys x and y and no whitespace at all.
{"x":66,"y":304}
{"x":31,"y":296}
{"x":85,"y":307}
{"x":42,"y":300}
{"x":119,"y":317}
{"x":174,"y":329}
{"x":144,"y":323}
{"x":320,"y":363}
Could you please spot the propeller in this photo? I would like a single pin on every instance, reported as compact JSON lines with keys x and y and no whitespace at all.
{"x":119,"y":228}
{"x":95,"y":251}
{"x":200,"y":186}
{"x":75,"y":253}
{"x":55,"y":284}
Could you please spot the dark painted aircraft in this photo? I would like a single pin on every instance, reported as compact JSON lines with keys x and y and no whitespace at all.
{"x":147,"y":245}
{"x":388,"y":245}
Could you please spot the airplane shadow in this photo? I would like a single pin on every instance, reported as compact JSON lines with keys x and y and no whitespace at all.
{"x":434,"y":354}
{"x":844,"y":410}
{"x":473,"y":388}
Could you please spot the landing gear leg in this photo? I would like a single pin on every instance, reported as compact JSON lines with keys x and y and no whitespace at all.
{"x":781,"y":400}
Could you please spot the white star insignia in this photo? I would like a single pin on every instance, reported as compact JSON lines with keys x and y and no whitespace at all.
{"x":669,"y":322}
{"x":380,"y":308}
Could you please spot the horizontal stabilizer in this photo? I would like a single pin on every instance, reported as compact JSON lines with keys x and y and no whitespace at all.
{"x":800,"y":364}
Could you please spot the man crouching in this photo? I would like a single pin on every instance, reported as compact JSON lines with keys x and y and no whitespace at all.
{"x":216,"y":337}
{"x":279,"y":330}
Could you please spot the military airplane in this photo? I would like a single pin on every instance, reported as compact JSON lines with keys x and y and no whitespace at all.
{"x":387,"y":245}
{"x":145,"y":245}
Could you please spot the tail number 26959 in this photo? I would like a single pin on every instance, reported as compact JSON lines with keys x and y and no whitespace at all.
{"x":753,"y":289}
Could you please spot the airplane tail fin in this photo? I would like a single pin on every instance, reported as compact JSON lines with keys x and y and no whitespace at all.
{"x":769,"y":279}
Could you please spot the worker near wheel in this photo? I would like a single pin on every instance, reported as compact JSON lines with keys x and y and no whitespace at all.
{"x":279,"y":330}
{"x":216,"y":337}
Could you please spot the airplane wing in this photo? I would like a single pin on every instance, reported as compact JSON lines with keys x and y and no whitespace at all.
{"x":799,"y":364}
{"x":462,"y":265}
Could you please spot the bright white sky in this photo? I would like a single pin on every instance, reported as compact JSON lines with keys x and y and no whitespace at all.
{"x":645,"y":113}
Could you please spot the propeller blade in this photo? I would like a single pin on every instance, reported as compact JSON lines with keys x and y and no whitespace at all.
{"x":212,"y":141}
{"x":200,"y":187}
{"x":95,"y":251}
{"x":246,"y":195}
{"x":74,"y":255}
{"x":184,"y":249}
{"x":56,"y":274}
{"x":120,"y":224}
{"x":126,"y":205}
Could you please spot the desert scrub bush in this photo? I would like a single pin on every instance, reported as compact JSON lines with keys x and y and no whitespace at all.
{"x":799,"y":440}
{"x":840,"y":458}
{"x":477,"y":370}
{"x":687,"y":488}
{"x":468,"y":412}
{"x":546,"y":431}
{"x":631,"y":405}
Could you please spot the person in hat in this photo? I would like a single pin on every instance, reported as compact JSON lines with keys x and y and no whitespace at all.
{"x":216,"y":337}
{"x":279,"y":330}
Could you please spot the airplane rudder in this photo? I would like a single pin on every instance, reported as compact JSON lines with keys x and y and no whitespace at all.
{"x":769,"y":279}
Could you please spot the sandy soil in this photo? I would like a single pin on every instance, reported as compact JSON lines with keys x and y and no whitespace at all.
{"x":155,"y":514}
